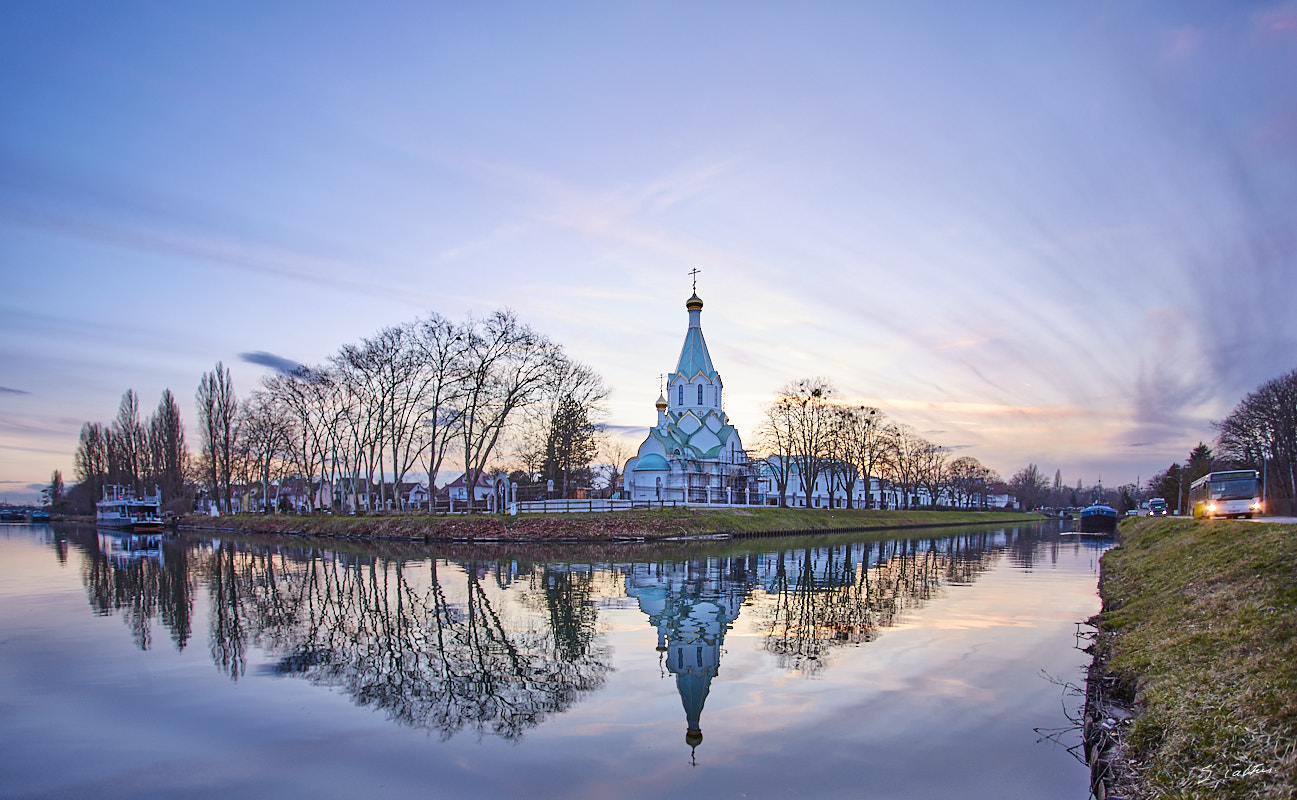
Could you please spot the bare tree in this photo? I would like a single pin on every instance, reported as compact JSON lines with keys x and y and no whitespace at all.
{"x":808,"y":404}
{"x":266,"y":428}
{"x":904,"y":462}
{"x":356,"y":448}
{"x":306,"y":395}
{"x":91,"y":459}
{"x":969,"y":481}
{"x":365,"y":373}
{"x":865,"y":431}
{"x":840,"y":467}
{"x":776,"y":436}
{"x":613,"y":455}
{"x":930,"y":470}
{"x":507,"y":366}
{"x":1028,"y":485}
{"x":217,"y":419}
{"x":441,"y":346}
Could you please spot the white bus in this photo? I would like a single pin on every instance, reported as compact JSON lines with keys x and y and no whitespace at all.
{"x":1234,"y":493}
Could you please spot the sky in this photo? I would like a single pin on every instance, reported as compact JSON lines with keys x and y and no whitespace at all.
{"x":1052,"y":233}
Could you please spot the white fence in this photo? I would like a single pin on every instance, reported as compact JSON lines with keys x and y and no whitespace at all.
{"x":574,"y":506}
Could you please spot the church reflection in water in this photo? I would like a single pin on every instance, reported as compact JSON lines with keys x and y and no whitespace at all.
{"x":692,"y":605}
{"x":487,"y":642}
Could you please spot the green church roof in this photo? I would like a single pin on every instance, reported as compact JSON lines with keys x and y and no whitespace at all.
{"x":694,"y":358}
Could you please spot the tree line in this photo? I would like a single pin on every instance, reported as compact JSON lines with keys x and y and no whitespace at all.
{"x":398,"y":403}
{"x":811,"y":434}
{"x":129,"y":451}
{"x":1033,"y":489}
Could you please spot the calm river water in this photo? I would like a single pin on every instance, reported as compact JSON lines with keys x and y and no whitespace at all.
{"x":925,"y":667}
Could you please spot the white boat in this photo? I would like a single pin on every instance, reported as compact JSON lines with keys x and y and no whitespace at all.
{"x":120,"y":508}
{"x":123,"y":547}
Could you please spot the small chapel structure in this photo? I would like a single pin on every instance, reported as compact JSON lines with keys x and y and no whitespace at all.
{"x":693,"y":454}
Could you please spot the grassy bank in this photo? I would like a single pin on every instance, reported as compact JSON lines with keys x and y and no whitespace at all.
{"x":655,"y":524}
{"x":1199,"y":634}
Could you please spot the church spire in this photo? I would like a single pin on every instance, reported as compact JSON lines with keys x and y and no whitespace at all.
{"x":694,"y":358}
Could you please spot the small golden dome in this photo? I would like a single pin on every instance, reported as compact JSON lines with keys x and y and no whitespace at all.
{"x":693,"y":738}
{"x":694,"y":303}
{"x":661,"y":403}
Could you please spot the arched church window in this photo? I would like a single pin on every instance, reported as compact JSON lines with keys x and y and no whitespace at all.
{"x":700,"y":394}
{"x":680,"y":396}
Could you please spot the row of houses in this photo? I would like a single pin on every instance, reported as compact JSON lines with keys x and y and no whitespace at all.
{"x":755,"y":483}
{"x":750,"y":481}
{"x":294,"y":495}
{"x":828,"y":491}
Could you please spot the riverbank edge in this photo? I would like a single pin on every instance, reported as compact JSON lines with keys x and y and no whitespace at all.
{"x":1107,"y":713}
{"x":620,"y":526}
{"x":1105,"y":719}
{"x":1116,"y":699}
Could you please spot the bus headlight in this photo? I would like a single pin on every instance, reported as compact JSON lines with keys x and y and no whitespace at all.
{"x":1211,"y":508}
{"x":1256,"y":506}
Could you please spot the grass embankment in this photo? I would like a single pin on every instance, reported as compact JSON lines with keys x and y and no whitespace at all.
{"x":1199,"y":629}
{"x":655,"y":524}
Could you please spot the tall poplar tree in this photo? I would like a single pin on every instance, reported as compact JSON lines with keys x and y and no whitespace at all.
{"x":217,"y":412}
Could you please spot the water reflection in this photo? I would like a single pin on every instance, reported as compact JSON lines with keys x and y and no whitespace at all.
{"x":132,"y":575}
{"x":492,"y":642}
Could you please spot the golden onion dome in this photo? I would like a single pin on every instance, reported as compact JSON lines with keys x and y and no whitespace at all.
{"x":694,"y":303}
{"x":693,"y":737}
{"x":661,"y":403}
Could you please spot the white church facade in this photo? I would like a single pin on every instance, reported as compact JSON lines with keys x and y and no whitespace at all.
{"x":693,"y":454}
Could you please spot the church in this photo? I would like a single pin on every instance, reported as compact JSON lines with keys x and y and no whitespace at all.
{"x":693,"y":454}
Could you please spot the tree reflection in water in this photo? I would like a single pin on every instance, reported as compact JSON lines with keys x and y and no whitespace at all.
{"x":488,"y":644}
{"x":823,"y":598}
{"x":140,"y":577}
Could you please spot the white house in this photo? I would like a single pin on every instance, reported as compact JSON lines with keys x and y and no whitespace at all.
{"x":820,"y":494}
{"x":458,"y":492}
{"x":414,"y":495}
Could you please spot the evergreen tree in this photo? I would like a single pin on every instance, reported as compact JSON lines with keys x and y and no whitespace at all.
{"x":571,"y":444}
{"x":1199,"y":463}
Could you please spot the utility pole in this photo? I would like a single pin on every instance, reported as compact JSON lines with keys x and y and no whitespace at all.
{"x":1179,"y":497}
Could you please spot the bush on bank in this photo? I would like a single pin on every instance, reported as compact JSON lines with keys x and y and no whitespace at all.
{"x":1199,"y":627}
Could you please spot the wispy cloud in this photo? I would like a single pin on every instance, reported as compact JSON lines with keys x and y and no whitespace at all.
{"x":211,"y":247}
{"x":1280,"y":20}
{"x":8,"y":390}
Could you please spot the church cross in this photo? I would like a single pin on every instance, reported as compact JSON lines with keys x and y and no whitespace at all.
{"x":662,"y":377}
{"x":694,"y":272}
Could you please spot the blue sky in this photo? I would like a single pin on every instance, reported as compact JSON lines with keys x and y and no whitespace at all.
{"x":1060,"y":233}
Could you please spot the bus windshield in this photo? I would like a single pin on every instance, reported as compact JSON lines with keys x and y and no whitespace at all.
{"x":1234,"y":490}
